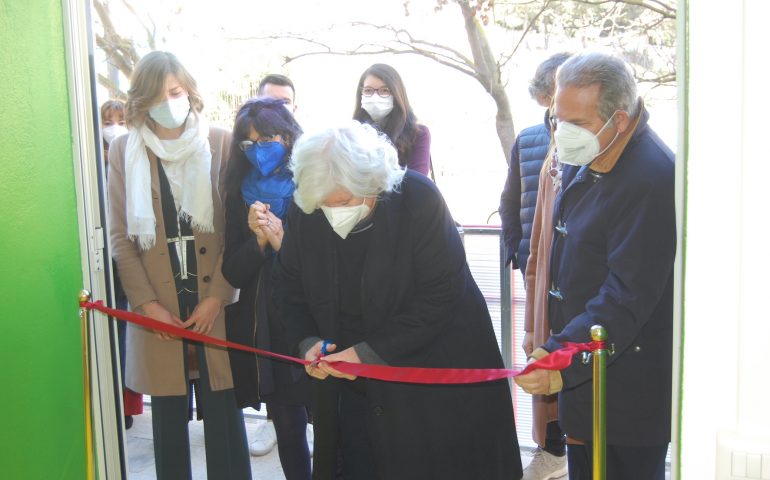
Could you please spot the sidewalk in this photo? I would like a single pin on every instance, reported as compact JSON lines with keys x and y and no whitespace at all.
{"x":141,"y":462}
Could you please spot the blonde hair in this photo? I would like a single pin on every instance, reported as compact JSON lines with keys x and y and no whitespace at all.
{"x":148,"y":83}
{"x":354,"y":157}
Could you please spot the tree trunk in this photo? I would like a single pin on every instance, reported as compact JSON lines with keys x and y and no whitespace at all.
{"x":504,"y":124}
{"x":488,"y":74}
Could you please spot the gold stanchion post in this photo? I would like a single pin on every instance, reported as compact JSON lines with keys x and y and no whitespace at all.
{"x":85,"y":296}
{"x":599,"y":334}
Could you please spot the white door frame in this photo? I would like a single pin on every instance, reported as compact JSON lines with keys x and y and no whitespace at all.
{"x":682,"y":78}
{"x":104,"y":377}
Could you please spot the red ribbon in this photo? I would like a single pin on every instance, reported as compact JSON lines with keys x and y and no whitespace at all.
{"x":557,"y":360}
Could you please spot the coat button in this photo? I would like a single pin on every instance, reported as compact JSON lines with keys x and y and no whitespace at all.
{"x":206,"y":279}
{"x":555,"y":293}
{"x":202,"y":250}
{"x":637,"y":349}
{"x":379,"y":411}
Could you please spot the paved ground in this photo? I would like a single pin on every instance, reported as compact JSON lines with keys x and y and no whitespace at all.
{"x":141,"y":463}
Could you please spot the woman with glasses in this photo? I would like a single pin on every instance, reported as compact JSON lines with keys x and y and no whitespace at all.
{"x":166,"y":227}
{"x":258,"y":191}
{"x":381,"y":100}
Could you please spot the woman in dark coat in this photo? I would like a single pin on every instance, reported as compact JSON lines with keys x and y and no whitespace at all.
{"x":372,"y":261}
{"x":258,"y":192}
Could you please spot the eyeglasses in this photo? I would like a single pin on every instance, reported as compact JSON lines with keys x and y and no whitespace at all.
{"x":262,"y":142}
{"x":369,"y":91}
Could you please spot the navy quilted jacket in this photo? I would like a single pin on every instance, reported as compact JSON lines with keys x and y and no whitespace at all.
{"x":517,"y":202}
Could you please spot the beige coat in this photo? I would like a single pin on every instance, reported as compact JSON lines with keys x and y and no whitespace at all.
{"x":537,"y":278}
{"x":155,"y":366}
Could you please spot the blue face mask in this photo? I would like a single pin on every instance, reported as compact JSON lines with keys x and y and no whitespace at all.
{"x":266,"y":157}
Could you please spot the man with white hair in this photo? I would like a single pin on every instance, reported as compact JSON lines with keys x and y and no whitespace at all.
{"x":611,"y":264}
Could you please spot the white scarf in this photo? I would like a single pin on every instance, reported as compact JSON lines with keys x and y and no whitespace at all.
{"x":187,"y":163}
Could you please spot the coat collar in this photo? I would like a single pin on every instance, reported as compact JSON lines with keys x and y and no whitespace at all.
{"x":607,"y":161}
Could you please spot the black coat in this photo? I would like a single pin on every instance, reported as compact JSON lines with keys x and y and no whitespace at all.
{"x":421,"y":307}
{"x":612,"y":264}
{"x":252,"y":320}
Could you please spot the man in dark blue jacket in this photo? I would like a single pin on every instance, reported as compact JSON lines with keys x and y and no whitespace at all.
{"x":611,"y":264}
{"x":517,"y":211}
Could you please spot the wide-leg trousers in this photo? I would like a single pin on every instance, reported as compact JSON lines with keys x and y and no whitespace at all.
{"x":227,"y":451}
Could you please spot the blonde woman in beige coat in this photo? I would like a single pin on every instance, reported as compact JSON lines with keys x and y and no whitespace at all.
{"x":166,"y":230}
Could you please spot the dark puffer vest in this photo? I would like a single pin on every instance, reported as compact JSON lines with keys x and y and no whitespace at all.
{"x":517,"y":202}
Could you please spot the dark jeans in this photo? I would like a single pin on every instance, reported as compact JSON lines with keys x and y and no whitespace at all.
{"x":623,"y":463}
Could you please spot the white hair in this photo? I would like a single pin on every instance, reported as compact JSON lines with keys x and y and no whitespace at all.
{"x":617,"y":86}
{"x":353,"y":156}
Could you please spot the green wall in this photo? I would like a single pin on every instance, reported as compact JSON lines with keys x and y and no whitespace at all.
{"x":41,"y":382}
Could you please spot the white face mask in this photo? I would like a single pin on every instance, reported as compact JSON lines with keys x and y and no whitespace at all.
{"x":171,"y":113}
{"x":343,"y":219}
{"x":578,"y":146}
{"x":111,"y":132}
{"x":377,"y":107}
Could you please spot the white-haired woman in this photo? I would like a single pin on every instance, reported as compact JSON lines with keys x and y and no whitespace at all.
{"x":371,"y":261}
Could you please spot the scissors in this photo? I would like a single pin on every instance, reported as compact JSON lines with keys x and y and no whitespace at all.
{"x":324,"y":352}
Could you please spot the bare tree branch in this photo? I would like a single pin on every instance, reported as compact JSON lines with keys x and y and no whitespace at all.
{"x":119,"y":51}
{"x":150,"y":32}
{"x":442,"y":54}
{"x":115,"y":92}
{"x":666,"y":78}
{"x":462,"y":58}
{"x":288,"y":59}
{"x":530,"y":25}
{"x":656,"y":6}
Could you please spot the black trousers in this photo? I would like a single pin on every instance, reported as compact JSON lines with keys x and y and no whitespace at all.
{"x":290,"y":422}
{"x":227,"y":450}
{"x":623,"y":463}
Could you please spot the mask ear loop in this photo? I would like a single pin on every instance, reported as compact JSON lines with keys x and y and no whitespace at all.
{"x":617,"y":133}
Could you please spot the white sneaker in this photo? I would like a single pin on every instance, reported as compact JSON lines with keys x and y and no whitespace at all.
{"x":310,"y":438}
{"x":264,"y":440}
{"x":545,"y":466}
